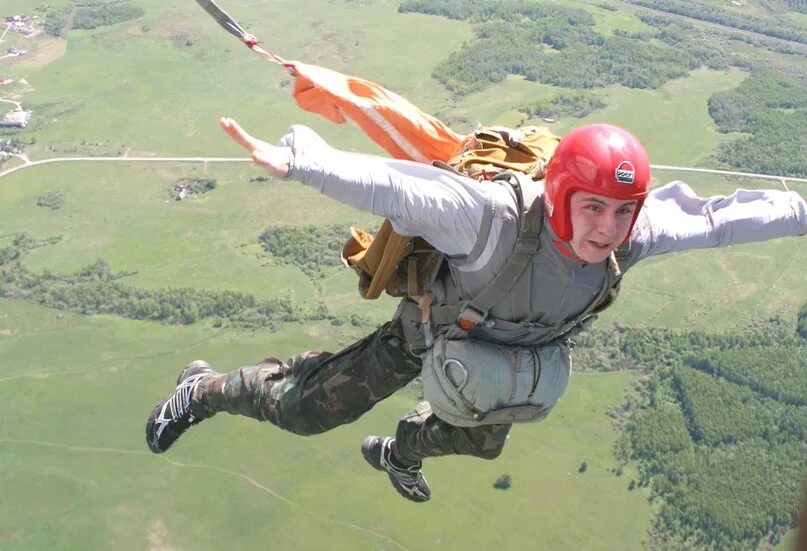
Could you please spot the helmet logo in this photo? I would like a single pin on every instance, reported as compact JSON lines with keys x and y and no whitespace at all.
{"x":625,"y":173}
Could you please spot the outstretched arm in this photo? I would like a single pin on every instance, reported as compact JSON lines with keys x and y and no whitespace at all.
{"x":446,"y":209}
{"x":674,"y":219}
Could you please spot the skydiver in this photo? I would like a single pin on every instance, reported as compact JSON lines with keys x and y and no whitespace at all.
{"x":484,"y":366}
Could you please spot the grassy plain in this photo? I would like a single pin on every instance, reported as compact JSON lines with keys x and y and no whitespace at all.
{"x":75,"y":390}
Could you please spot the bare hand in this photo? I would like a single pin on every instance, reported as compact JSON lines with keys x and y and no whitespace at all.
{"x":275,"y":160}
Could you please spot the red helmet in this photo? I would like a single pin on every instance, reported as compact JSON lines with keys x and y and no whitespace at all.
{"x":598,"y":158}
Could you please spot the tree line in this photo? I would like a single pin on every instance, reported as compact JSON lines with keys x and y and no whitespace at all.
{"x":577,"y":105}
{"x":311,"y":248}
{"x":776,"y":27}
{"x":90,"y":15}
{"x":96,"y":289}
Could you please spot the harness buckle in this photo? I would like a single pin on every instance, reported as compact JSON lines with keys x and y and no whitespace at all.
{"x":527,"y":245}
{"x":469,"y":318}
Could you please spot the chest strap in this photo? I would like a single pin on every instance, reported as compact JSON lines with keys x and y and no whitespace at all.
{"x":527,"y":244}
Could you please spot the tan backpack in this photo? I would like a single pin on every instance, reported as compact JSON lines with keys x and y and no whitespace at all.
{"x":406,"y":266}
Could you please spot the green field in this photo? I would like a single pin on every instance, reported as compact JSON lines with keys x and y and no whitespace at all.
{"x":75,"y":390}
{"x":73,"y":434}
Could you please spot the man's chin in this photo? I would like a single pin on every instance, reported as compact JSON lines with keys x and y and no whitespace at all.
{"x":593,"y":256}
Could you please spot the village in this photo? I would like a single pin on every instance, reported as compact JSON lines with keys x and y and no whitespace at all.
{"x":28,"y":27}
{"x":23,"y":24}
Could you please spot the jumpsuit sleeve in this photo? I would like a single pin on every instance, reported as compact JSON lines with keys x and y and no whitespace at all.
{"x":446,"y":209}
{"x":675,"y":219}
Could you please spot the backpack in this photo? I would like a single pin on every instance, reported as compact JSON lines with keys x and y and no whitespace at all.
{"x":405,"y":266}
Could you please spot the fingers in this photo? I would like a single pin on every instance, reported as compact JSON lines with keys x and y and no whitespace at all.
{"x":238,"y":134}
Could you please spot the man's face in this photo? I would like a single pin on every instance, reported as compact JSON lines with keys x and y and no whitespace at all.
{"x":599,"y":224}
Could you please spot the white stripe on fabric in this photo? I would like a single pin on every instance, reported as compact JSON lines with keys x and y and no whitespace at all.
{"x":392,"y":132}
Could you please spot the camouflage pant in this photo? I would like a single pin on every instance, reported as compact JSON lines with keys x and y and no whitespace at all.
{"x":317,"y":391}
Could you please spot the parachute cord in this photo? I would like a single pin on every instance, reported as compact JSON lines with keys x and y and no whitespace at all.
{"x":253,"y":44}
{"x":231,"y":26}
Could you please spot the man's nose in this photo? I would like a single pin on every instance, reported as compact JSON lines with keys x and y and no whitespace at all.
{"x":608,"y":224}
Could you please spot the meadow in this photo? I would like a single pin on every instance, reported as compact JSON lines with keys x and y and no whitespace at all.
{"x":75,"y":390}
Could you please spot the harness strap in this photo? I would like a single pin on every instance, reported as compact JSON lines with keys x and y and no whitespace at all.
{"x":606,"y":295}
{"x":447,"y":314}
{"x":613,"y":277}
{"x":527,"y":244}
{"x":521,"y":293}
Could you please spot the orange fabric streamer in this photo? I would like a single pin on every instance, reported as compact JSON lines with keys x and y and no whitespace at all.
{"x":399,"y":127}
{"x":395,"y":124}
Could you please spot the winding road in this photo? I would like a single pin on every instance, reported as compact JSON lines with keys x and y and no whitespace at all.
{"x":126,"y":159}
{"x":18,"y":104}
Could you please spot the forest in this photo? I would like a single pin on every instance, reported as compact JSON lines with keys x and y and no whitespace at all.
{"x":90,"y":17}
{"x":558,"y":45}
{"x":771,"y":110}
{"x":717,"y":427}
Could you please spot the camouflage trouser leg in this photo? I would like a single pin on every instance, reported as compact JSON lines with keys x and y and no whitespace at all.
{"x":315,"y":391}
{"x":421,"y":434}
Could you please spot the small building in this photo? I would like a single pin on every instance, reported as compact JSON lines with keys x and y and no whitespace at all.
{"x":22,"y":28}
{"x":10,"y":147}
{"x":17,"y":118}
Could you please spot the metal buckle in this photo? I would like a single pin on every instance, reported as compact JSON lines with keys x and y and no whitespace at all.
{"x":469,"y":318}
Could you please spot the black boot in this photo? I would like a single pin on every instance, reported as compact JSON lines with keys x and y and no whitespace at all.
{"x":172,"y":416}
{"x":407,"y":480}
